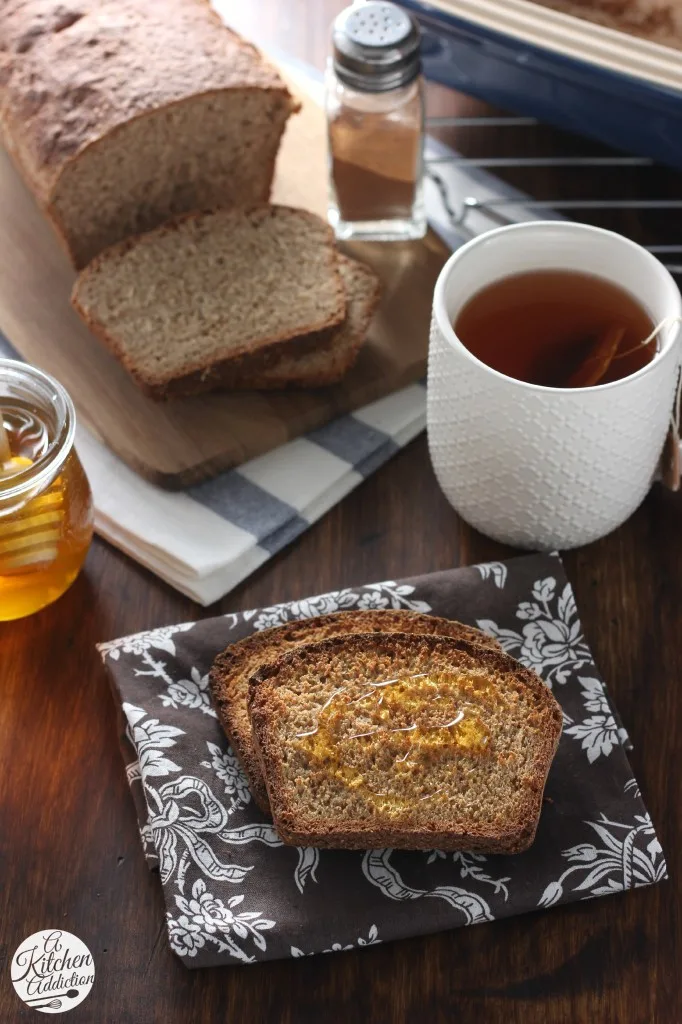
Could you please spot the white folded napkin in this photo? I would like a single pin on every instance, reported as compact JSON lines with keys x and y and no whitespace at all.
{"x":207,"y":539}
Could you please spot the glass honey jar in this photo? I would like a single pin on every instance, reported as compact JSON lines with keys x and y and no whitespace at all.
{"x":46,"y":514}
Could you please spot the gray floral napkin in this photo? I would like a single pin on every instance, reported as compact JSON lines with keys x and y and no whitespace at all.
{"x":235,"y":894}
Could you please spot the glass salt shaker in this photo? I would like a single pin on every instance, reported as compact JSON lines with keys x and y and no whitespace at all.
{"x":375,"y":118}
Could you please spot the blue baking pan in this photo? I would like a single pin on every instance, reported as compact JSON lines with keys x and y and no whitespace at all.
{"x":630,"y":113}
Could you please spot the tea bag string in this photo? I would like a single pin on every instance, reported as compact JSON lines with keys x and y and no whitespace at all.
{"x":666,"y":322}
{"x":675,"y":415}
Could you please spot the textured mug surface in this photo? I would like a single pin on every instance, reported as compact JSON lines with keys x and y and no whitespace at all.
{"x":540,"y":467}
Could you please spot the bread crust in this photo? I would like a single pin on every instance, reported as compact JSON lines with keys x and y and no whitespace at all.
{"x":199,"y":378}
{"x":230,"y":673}
{"x":295,"y":829}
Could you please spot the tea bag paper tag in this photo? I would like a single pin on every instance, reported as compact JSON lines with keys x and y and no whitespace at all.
{"x":670,"y":457}
{"x":670,"y":460}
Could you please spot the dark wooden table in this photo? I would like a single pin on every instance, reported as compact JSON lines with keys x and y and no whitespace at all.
{"x":69,"y":850}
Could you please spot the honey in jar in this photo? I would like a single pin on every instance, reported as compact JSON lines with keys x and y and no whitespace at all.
{"x":45,"y":501}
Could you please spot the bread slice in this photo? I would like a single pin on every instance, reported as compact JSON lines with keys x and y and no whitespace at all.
{"x":415,"y":742}
{"x":335,"y":349}
{"x":183,"y":305}
{"x":233,"y":668}
{"x":122,"y":114}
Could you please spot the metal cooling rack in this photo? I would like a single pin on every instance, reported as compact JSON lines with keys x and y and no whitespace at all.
{"x":648,"y":212}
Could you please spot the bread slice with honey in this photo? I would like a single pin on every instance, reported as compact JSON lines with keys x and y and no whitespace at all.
{"x":414,"y":742}
{"x":232,"y":669}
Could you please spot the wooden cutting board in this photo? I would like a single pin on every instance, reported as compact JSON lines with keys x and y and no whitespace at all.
{"x":184,"y":441}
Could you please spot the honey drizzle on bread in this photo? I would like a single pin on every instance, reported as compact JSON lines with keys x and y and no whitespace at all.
{"x":415,"y":719}
{"x":493,"y":808}
{"x":234,"y":667}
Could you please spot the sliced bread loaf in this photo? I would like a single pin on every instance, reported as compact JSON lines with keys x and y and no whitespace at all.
{"x":122,"y":114}
{"x":185,"y":304}
{"x":233,"y":668}
{"x":332,"y":353}
{"x":403,"y":740}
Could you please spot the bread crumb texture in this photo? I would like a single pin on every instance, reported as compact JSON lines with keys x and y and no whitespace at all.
{"x":234,"y":667}
{"x":387,"y":734}
{"x":212,"y":286}
{"x":335,"y":350}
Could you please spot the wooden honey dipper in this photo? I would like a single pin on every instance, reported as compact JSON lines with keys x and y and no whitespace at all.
{"x":28,"y":538}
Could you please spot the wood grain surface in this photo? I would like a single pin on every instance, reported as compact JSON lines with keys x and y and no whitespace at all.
{"x":181,"y":442}
{"x":69,"y":849}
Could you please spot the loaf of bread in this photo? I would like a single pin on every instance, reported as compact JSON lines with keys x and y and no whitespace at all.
{"x":407,"y":741}
{"x":234,"y":667}
{"x":122,"y":114}
{"x":187,"y":306}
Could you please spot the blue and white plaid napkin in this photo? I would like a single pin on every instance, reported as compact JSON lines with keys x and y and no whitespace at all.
{"x":207,"y":539}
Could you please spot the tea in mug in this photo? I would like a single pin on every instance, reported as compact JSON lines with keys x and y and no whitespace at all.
{"x":557,"y":328}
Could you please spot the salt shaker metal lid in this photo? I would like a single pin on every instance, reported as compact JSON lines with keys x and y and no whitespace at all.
{"x":376,"y":47}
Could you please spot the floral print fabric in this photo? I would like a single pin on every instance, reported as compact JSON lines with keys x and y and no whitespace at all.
{"x":234,"y":893}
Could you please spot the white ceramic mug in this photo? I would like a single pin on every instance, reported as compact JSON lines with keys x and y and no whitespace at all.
{"x":541,"y":467}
